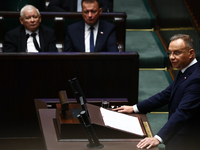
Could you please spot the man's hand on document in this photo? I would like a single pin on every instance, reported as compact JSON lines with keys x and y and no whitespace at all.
{"x":124,"y":109}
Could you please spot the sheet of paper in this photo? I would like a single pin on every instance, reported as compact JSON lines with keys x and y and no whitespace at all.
{"x":121,"y":121}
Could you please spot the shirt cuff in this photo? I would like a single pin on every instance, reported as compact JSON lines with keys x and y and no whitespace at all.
{"x":159,"y":138}
{"x":135,"y":109}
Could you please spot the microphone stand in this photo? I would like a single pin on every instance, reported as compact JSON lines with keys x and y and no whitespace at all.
{"x":89,"y":130}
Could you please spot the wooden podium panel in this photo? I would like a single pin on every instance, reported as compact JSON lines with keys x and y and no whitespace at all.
{"x":27,"y":76}
{"x":51,"y":142}
{"x":69,"y":128}
{"x":51,"y":102}
{"x":68,"y":119}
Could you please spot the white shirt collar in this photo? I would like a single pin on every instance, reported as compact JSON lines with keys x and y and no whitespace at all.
{"x":87,"y":27}
{"x":29,"y":32}
{"x":192,"y":63}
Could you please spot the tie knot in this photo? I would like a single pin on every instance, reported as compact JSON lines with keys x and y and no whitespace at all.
{"x":180,"y":73}
{"x":91,"y":27}
{"x":33,"y":34}
{"x":27,"y":36}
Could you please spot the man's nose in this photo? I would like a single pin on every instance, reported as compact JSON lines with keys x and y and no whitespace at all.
{"x":90,"y":14}
{"x":32,"y":19}
{"x":171,"y":56}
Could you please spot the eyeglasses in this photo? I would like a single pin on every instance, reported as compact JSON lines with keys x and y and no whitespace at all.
{"x":176,"y":53}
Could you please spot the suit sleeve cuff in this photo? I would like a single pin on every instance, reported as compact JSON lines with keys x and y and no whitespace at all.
{"x":135,"y":109}
{"x":159,"y":138}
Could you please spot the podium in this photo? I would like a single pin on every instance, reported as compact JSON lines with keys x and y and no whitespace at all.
{"x":68,"y":128}
{"x":65,"y":132}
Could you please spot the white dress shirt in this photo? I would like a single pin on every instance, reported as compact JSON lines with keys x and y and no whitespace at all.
{"x":30,"y":44}
{"x":87,"y":36}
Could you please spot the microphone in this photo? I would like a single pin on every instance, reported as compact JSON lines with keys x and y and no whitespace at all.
{"x":18,"y":5}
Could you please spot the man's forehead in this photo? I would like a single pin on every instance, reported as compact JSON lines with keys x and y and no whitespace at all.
{"x":177,"y":45}
{"x":28,"y":11}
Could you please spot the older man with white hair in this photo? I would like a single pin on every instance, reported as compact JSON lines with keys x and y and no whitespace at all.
{"x":30,"y":36}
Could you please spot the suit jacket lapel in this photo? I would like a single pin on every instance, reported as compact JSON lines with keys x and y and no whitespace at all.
{"x":178,"y":81}
{"x":184,"y":77}
{"x":23,"y":40}
{"x":99,"y":35}
{"x":81,"y":38}
{"x":41,"y":38}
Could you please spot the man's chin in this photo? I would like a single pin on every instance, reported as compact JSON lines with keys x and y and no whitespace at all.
{"x":90,"y":24}
{"x":176,"y":67}
{"x":32,"y":29}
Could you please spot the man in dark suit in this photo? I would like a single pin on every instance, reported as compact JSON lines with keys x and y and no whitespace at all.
{"x":92,"y":34}
{"x":71,"y":5}
{"x":181,"y":132}
{"x":30,"y":36}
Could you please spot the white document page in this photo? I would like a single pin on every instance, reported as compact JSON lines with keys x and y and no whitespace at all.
{"x":121,"y":121}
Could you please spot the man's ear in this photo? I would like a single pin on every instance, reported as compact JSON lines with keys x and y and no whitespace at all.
{"x":21,"y":20}
{"x":40,"y":18}
{"x":100,"y":11}
{"x":192,"y":53}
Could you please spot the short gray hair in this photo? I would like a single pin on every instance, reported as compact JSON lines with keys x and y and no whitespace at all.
{"x":28,"y":7}
{"x":186,"y":38}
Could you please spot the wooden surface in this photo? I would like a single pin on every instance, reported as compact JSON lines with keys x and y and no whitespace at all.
{"x":68,"y":119}
{"x":51,"y":142}
{"x":28,"y":76}
{"x":66,"y":124}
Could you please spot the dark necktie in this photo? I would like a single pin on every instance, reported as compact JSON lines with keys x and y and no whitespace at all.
{"x":179,"y":76}
{"x":35,"y":42}
{"x":91,"y":39}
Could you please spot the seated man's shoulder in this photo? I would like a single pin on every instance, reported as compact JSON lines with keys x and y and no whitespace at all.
{"x":108,"y":24}
{"x":46,"y":28}
{"x":76,"y":25}
{"x":15,"y":30}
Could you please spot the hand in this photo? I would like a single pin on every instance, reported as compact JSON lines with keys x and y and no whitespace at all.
{"x":148,"y":142}
{"x":124,"y":109}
